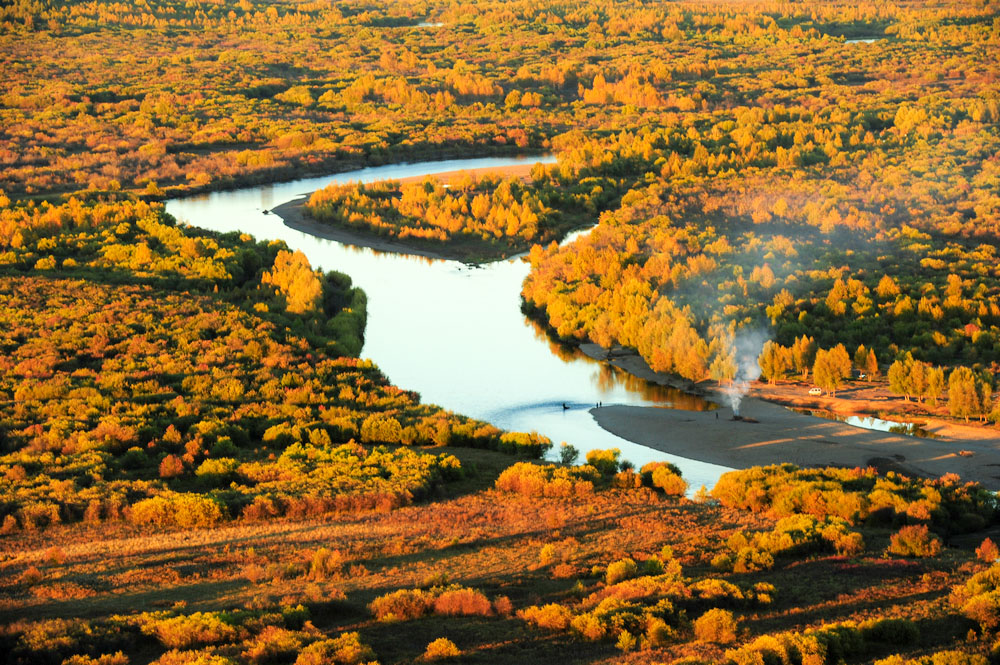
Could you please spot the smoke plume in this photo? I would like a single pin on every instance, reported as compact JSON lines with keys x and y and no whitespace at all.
{"x":746,"y":348}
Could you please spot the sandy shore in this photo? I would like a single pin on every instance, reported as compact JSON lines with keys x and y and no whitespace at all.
{"x":781,"y":435}
{"x":294,"y":216}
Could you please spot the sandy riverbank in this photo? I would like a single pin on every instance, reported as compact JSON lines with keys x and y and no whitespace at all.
{"x":294,"y":216}
{"x":781,"y":435}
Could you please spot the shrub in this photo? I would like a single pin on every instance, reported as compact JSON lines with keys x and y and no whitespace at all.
{"x":325,"y":563}
{"x":915,"y":541}
{"x":620,"y":570}
{"x":502,"y":606}
{"x":462,"y":602}
{"x":529,"y":444}
{"x":191,"y":630}
{"x":547,"y":480}
{"x":568,"y":454}
{"x":217,"y":469}
{"x":441,"y":648}
{"x":175,"y":657}
{"x":939,"y":658}
{"x":552,"y":616}
{"x":273,"y":644}
{"x":988,"y":551}
{"x":180,"y":510}
{"x":117,"y":658}
{"x":605,"y":461}
{"x":171,"y":466}
{"x":716,"y":625}
{"x":347,"y":649}
{"x":381,"y":428}
{"x":402,"y":605}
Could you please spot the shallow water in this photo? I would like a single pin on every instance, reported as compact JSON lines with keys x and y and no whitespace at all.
{"x":872,"y":423}
{"x":455,"y":332}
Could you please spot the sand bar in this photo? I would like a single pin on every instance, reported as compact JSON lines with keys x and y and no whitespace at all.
{"x":782,"y":435}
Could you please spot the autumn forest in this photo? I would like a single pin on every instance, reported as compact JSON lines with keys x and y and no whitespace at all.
{"x":200,"y":465}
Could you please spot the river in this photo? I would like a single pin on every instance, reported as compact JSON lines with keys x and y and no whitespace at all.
{"x":455,"y":332}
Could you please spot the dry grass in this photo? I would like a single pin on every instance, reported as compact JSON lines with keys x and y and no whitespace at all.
{"x":478,"y":538}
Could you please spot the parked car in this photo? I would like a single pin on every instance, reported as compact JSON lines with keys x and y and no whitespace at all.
{"x":815,"y":391}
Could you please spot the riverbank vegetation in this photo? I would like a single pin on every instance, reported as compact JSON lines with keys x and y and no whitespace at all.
{"x":197,"y":468}
{"x":162,"y":374}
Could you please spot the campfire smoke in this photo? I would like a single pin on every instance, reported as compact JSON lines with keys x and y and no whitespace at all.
{"x":746,"y":348}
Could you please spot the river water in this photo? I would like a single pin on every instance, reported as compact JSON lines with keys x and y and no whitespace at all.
{"x":455,"y":332}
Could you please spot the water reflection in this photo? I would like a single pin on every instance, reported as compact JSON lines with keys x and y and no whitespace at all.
{"x":608,"y":378}
{"x":872,"y":423}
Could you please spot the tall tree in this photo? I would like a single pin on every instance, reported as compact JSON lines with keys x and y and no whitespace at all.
{"x":773,"y":361}
{"x":900,"y":380}
{"x":871,"y":365}
{"x":963,"y":394}
{"x":831,"y":368}
{"x":803,"y":355}
{"x":935,"y":384}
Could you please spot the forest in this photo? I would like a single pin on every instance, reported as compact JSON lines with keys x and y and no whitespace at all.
{"x":197,"y":467}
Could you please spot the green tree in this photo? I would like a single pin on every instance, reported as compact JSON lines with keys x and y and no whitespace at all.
{"x":803,"y":355}
{"x":773,"y":361}
{"x":963,"y":394}
{"x":900,"y":377}
{"x":831,"y":368}
{"x":935,"y":384}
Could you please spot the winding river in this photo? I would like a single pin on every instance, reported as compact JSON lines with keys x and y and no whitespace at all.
{"x":455,"y":332}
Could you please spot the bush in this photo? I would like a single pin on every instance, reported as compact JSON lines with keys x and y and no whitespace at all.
{"x":547,"y":480}
{"x":915,"y":541}
{"x":939,"y":658}
{"x":191,"y":630}
{"x":441,"y":648}
{"x":605,"y":461}
{"x":620,"y":570}
{"x":552,"y":616}
{"x":176,"y":510}
{"x":462,"y":602}
{"x":402,"y":605}
{"x":381,"y":428}
{"x":344,"y":650}
{"x":988,"y":551}
{"x":531,"y":444}
{"x":716,"y":626}
{"x":568,"y":454}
